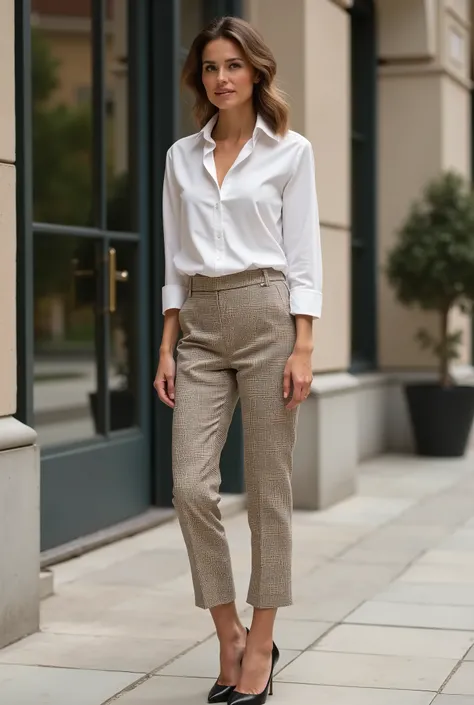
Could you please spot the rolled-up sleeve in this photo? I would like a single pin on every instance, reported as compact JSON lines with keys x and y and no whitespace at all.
{"x":175,"y":290}
{"x":302,"y":238}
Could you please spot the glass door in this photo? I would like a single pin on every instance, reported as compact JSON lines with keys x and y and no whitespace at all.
{"x":88,"y":356}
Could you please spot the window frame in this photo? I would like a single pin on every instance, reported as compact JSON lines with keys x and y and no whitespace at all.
{"x":363,"y":186}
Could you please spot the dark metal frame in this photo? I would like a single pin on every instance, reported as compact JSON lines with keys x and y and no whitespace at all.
{"x":364,"y":185}
{"x":27,"y":228}
{"x":472,"y":182}
{"x":72,"y":470}
{"x":25,"y":323}
{"x":165,"y":63}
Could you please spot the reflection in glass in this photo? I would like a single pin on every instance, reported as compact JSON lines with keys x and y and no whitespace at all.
{"x":123,"y":362}
{"x":192,"y":21}
{"x":191,"y":18}
{"x":61,"y":112}
{"x":64,"y":338}
{"x":120,"y":216}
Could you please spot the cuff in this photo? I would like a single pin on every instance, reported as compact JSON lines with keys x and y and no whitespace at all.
{"x":173,"y":296}
{"x":306,"y":302}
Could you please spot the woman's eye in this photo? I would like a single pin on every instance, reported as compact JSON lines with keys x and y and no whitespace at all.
{"x":235,"y":66}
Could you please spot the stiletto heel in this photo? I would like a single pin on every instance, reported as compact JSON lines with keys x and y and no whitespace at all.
{"x":221,"y":693}
{"x":237,"y":698}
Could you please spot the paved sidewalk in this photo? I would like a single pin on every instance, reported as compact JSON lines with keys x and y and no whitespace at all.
{"x":383,"y":613}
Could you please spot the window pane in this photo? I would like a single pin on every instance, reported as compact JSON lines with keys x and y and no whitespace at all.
{"x":120,"y":146}
{"x":64,"y":338}
{"x":192,"y":22}
{"x":124,"y":344}
{"x":61,"y":111}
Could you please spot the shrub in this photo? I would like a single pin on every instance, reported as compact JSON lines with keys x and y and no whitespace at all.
{"x":432,"y":263}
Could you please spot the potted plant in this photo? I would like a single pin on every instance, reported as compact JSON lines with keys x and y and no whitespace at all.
{"x":432,"y":266}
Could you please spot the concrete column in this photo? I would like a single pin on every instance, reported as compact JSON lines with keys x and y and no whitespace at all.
{"x":424,"y":128}
{"x":311,"y":44}
{"x":312,"y":48}
{"x":19,"y":473}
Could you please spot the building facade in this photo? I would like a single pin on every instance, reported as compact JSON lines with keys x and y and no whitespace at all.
{"x":91,"y":103}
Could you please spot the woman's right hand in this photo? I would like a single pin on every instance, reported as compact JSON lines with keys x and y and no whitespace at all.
{"x":164,"y":380}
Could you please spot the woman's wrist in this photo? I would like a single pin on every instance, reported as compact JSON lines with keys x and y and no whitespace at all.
{"x":303,"y":348}
{"x":166,"y":349}
{"x":304,"y":335}
{"x":170,"y":332}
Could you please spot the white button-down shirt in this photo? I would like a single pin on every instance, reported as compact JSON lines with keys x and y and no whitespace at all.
{"x":265,"y":215}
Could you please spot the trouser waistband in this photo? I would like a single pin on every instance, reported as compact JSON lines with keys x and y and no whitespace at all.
{"x":235,"y":281}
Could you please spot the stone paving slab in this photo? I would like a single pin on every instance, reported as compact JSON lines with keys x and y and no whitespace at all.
{"x":368,"y":671}
{"x":193,"y":691}
{"x":382,"y":614}
{"x":428,"y":594}
{"x":414,"y":615}
{"x":439,"y":574}
{"x":462,"y":681}
{"x":31,"y":685}
{"x":106,"y":653}
{"x":396,"y":641}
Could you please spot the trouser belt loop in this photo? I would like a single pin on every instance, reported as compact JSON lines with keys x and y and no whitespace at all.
{"x":190,"y":286}
{"x":265,"y":278}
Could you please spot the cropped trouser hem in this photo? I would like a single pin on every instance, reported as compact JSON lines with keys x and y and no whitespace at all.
{"x":266,"y":604}
{"x":257,"y":604}
{"x":208,"y":604}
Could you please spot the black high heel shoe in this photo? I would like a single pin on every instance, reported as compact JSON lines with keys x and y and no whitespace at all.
{"x":221,"y":693}
{"x":259,"y":698}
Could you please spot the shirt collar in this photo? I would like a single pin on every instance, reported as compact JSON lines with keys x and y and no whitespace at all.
{"x":260,"y":126}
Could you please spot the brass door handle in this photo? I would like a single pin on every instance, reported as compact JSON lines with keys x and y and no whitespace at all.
{"x":114,"y":277}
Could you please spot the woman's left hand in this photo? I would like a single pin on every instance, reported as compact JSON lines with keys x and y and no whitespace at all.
{"x":298,"y":372}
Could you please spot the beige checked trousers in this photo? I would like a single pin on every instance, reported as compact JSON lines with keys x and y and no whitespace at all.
{"x":237,"y":336}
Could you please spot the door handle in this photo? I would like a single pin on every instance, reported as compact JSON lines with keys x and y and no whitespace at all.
{"x":114,"y":277}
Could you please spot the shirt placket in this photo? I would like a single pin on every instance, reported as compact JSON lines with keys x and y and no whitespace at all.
{"x":219,"y":232}
{"x":218,"y":205}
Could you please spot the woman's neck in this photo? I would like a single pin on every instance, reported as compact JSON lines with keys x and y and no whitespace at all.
{"x":235,"y":125}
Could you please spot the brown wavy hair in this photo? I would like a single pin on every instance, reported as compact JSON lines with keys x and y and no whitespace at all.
{"x":268,"y":99}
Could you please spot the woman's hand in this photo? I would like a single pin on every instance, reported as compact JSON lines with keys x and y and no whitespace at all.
{"x":164,"y":380}
{"x":298,"y":372}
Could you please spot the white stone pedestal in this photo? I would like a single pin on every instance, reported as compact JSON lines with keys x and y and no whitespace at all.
{"x":326,"y":453}
{"x":19,"y":531}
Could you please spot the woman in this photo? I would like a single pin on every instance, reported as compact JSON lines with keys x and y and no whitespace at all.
{"x":243,"y":281}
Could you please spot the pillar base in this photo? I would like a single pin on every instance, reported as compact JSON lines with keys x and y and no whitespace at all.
{"x":19,"y":531}
{"x":326,"y":453}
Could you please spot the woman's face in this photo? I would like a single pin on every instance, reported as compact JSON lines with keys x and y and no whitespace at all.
{"x":226,"y":74}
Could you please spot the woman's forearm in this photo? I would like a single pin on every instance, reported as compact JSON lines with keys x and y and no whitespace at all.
{"x":304,"y":334}
{"x":170,"y":331}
